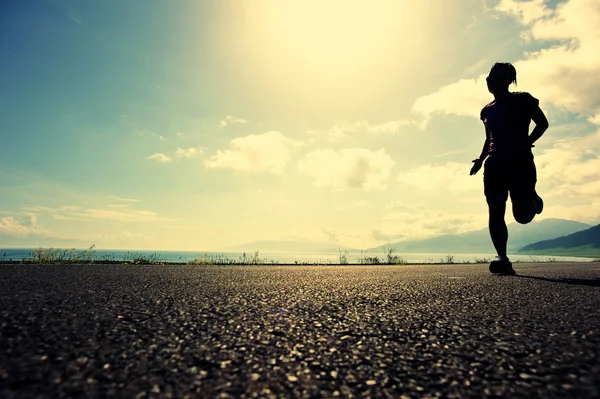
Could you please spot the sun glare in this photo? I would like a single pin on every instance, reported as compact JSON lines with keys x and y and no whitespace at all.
{"x":336,"y":38}
{"x":333,"y":44}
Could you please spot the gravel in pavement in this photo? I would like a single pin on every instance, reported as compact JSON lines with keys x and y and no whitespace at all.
{"x":451,"y":331}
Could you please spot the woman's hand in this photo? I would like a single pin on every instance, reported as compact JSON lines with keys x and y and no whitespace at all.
{"x":476,"y":166}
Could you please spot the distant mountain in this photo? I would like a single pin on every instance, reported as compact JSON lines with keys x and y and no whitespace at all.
{"x":478,"y":241}
{"x":287,"y":246}
{"x":587,"y":241}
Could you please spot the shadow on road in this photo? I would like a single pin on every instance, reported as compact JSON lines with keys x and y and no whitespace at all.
{"x":574,"y":281}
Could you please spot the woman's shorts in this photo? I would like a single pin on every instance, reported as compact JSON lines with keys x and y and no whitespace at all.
{"x":516,"y":176}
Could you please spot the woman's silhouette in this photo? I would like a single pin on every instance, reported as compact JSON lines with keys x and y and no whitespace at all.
{"x":509,"y":167}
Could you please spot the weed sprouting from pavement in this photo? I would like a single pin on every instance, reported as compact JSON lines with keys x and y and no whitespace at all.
{"x":391,"y":258}
{"x":343,"y":256}
{"x":142,"y":259}
{"x":220,"y":259}
{"x":368,"y":260}
{"x":449,"y":259}
{"x":51,"y":255}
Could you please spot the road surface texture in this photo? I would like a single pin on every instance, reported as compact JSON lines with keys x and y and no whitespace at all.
{"x":448,"y":331}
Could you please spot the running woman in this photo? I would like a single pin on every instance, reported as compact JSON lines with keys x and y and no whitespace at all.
{"x":509,"y":166}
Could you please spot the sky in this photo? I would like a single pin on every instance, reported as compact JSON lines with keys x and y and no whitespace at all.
{"x":199,"y":125}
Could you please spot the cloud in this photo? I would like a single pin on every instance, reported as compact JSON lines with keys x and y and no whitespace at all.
{"x":75,"y":17}
{"x":179,"y":153}
{"x":267,"y":152}
{"x":380,"y":235}
{"x":189,"y":152}
{"x":391,"y":127}
{"x":448,"y":153}
{"x":13,"y":227}
{"x":114,"y":197}
{"x":569,"y":178}
{"x":400,"y":206}
{"x":342,"y":130}
{"x":526,"y":12}
{"x":143,"y":132}
{"x":352,"y":168}
{"x":80,"y":213}
{"x":125,"y":237}
{"x":448,"y":177}
{"x":229,"y":120}
{"x":465,"y":97}
{"x":419,"y":222}
{"x":564,"y":74}
{"x":331,"y":234}
{"x":160,"y":157}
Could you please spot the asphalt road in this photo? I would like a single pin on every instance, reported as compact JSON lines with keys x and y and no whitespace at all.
{"x":299,"y":331}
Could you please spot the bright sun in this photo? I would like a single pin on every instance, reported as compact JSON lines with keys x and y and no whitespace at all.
{"x":326,"y":49}
{"x":335,"y":37}
{"x":338,"y":38}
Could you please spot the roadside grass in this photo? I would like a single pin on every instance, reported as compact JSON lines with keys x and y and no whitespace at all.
{"x":44,"y":256}
{"x":389,"y":257}
{"x":540,"y":259}
{"x":220,"y":259}
{"x":51,"y":255}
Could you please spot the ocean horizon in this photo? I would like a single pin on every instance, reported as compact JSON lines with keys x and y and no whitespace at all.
{"x":175,"y":256}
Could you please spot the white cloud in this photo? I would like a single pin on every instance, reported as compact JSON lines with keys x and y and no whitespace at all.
{"x":448,"y":153}
{"x":80,"y":213}
{"x":229,"y":120}
{"x":420,"y":222}
{"x":465,"y":97}
{"x":160,"y":157}
{"x":569,"y":178}
{"x":391,"y":127}
{"x":268,"y":152}
{"x":116,"y":198}
{"x":148,"y":133}
{"x":400,"y":206}
{"x":526,"y":12}
{"x":331,"y":234}
{"x":564,"y":74}
{"x":387,"y":236}
{"x":338,"y":133}
{"x":342,"y":130}
{"x":14,"y":227}
{"x":125,"y":237}
{"x":448,"y":177}
{"x":189,"y":152}
{"x":356,"y":168}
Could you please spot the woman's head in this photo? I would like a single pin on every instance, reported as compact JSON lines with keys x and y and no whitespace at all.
{"x":500,"y":77}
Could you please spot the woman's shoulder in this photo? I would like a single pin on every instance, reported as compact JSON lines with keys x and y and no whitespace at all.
{"x":484,"y":109}
{"x":525,"y":97}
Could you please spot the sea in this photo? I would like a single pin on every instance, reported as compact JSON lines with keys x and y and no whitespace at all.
{"x":18,"y":254}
